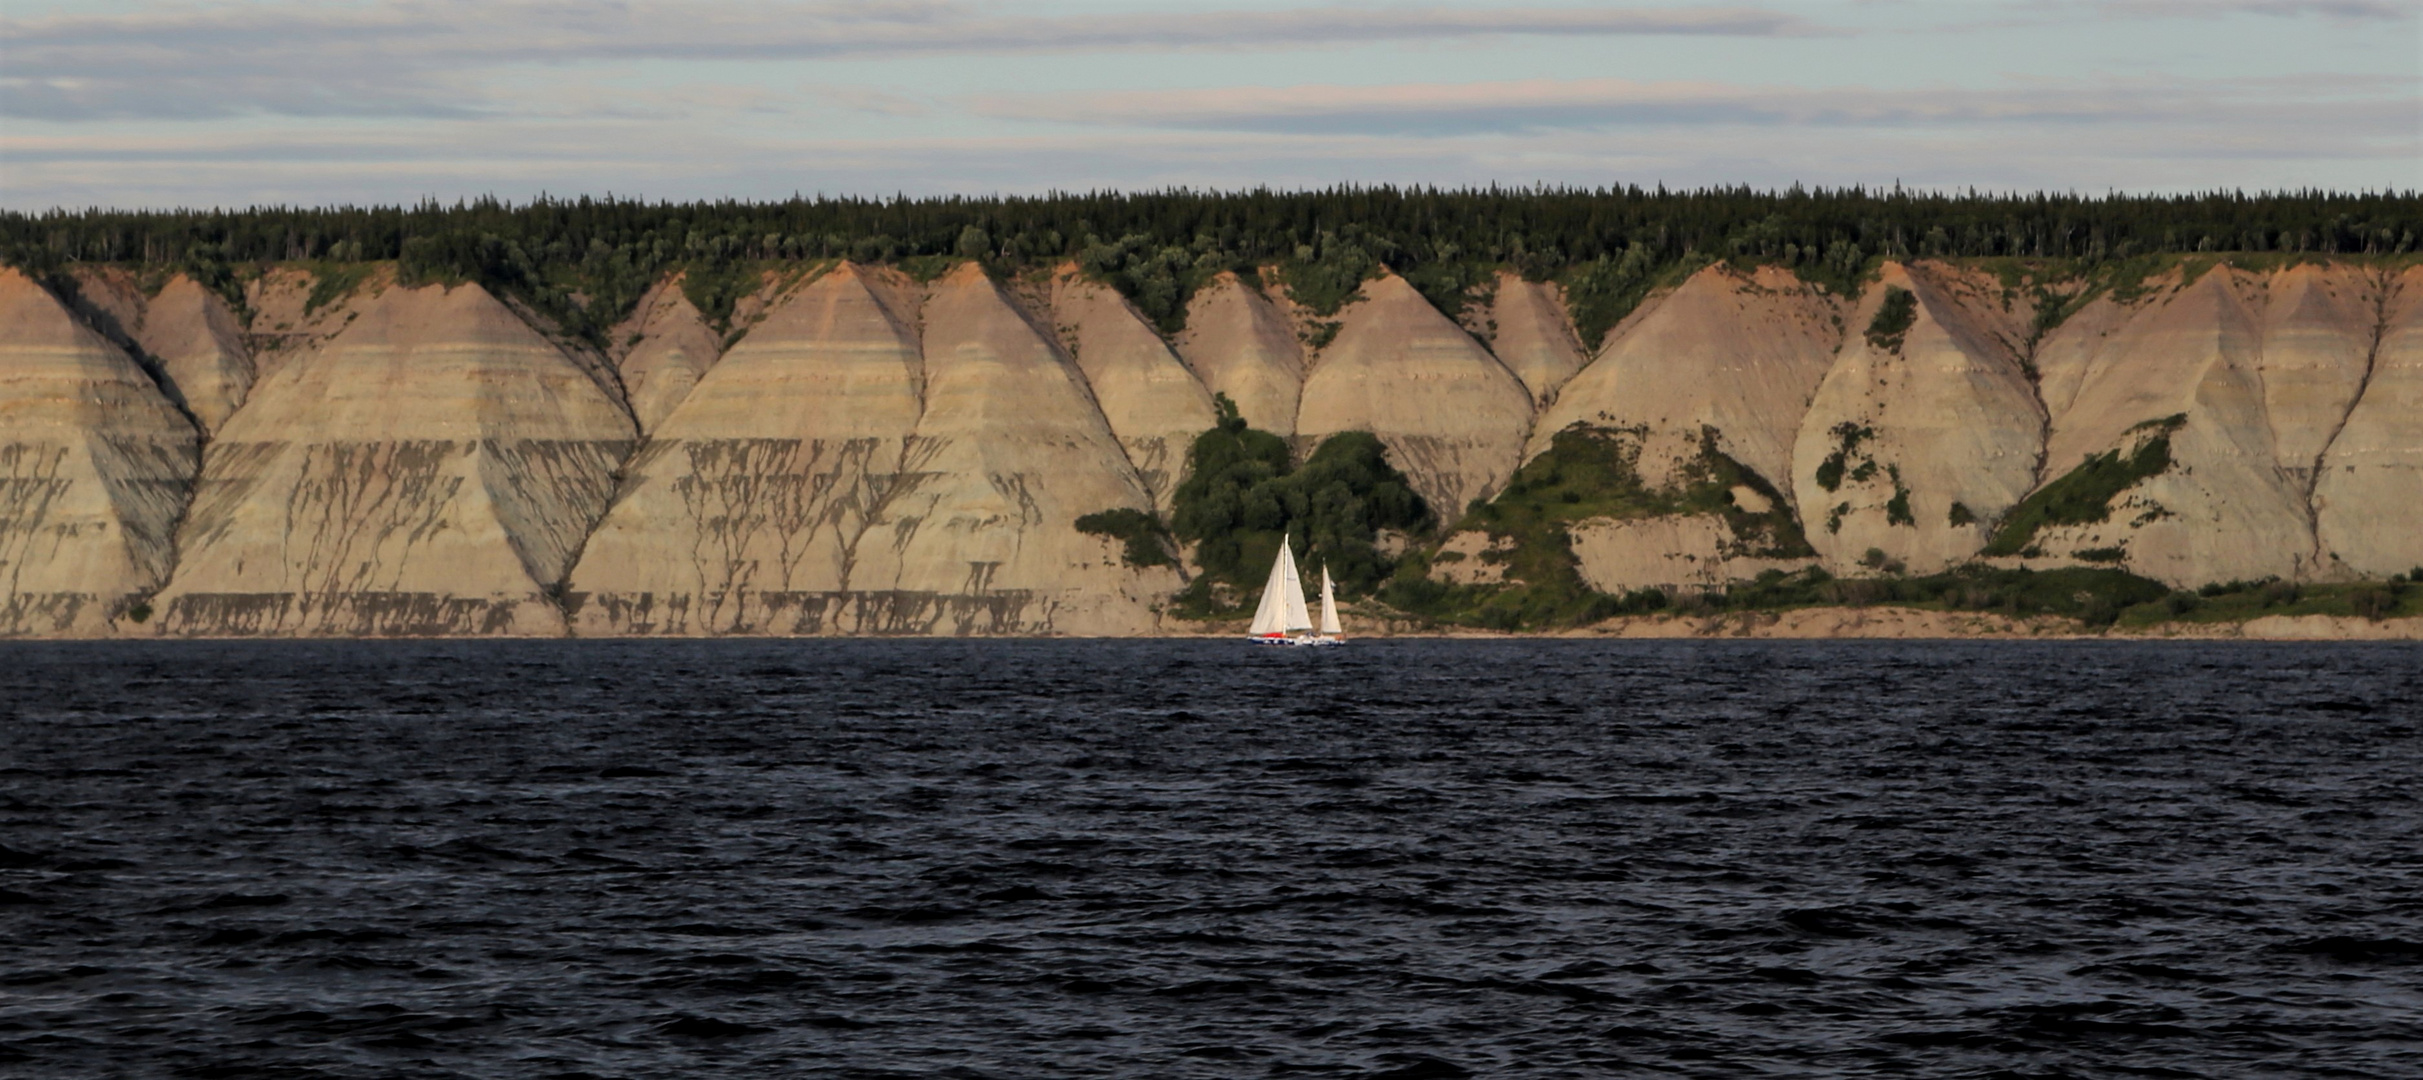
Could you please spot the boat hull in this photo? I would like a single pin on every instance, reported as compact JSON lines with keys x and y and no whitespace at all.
{"x":1301,"y":641}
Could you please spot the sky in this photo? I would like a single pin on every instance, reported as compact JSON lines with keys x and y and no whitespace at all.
{"x":157,"y":103}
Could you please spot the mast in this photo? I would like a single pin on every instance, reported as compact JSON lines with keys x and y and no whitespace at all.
{"x":1292,"y":592}
{"x":1270,"y":616}
{"x":1329,"y":606}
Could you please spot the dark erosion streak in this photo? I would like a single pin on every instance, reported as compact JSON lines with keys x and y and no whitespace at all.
{"x":1188,"y":858}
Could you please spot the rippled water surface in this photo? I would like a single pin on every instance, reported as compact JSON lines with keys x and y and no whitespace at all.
{"x":1406,"y":859}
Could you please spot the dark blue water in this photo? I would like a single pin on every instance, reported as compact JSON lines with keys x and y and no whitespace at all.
{"x":1401,"y":859}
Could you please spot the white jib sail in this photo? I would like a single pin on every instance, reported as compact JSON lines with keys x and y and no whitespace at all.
{"x":1329,"y":606}
{"x":1282,"y":608}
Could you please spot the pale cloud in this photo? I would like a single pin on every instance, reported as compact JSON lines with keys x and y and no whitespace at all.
{"x":2352,"y":106}
{"x":402,"y":57}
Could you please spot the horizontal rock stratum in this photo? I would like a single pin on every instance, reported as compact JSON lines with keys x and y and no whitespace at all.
{"x":852,"y":450}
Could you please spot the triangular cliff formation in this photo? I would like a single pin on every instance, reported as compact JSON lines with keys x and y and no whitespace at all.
{"x":1014,"y":451}
{"x":199,"y":345}
{"x":2187,"y":369}
{"x":746,"y":511}
{"x":670,"y":349}
{"x":1452,"y":417}
{"x":1922,"y":435}
{"x":2368,"y":499}
{"x":2319,"y":325}
{"x":1728,"y":363}
{"x":1741,"y":354}
{"x":1152,"y":402}
{"x":431,"y":469}
{"x":1239,"y":344}
{"x":95,"y":467}
{"x":1532,"y":335}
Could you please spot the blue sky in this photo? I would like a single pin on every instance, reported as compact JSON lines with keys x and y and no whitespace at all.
{"x":148,"y":103}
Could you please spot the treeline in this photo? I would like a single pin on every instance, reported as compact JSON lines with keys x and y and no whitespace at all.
{"x":586,"y":260}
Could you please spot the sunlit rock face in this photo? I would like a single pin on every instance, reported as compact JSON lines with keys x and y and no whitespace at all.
{"x":432,"y":468}
{"x":1153,"y":403}
{"x":1452,"y":417}
{"x":1741,"y":354}
{"x":2368,"y":495}
{"x":748,"y":510}
{"x":1531,"y":333}
{"x":2248,"y":378}
{"x":1239,"y":344}
{"x":95,"y":467}
{"x":666,"y":348}
{"x":1942,"y":414}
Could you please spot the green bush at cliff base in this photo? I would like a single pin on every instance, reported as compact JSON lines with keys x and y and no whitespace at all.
{"x":1586,"y":473}
{"x":2238,"y":601}
{"x":1243,"y":492}
{"x":2096,"y":597}
{"x":2084,"y":495}
{"x":1146,"y":542}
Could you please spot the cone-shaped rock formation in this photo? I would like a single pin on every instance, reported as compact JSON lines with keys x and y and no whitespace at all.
{"x":747,"y":511}
{"x":1013,"y":451}
{"x":1532,"y":335}
{"x":1453,"y":418}
{"x":432,"y":469}
{"x":1153,"y":403}
{"x":95,"y":467}
{"x":1239,"y":344}
{"x":1926,"y":430}
{"x":672,"y":348}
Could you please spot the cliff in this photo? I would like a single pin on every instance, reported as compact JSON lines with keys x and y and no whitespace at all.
{"x":863,"y":451}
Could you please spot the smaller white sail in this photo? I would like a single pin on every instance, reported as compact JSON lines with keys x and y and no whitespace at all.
{"x":1329,"y":606}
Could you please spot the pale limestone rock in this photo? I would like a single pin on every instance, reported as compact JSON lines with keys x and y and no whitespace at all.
{"x":1948,"y":418}
{"x":1015,"y":451}
{"x":1532,"y":335}
{"x":431,"y":469}
{"x":2064,"y":356}
{"x":2225,"y":509}
{"x":670,"y":347}
{"x":199,"y":345}
{"x":747,"y":510}
{"x":1452,"y":417}
{"x":1460,"y":560}
{"x":185,"y":336}
{"x":1240,"y":345}
{"x":1678,"y":551}
{"x":2369,"y":499}
{"x":1153,"y":403}
{"x":2319,"y":324}
{"x":1741,"y":354}
{"x":95,"y":467}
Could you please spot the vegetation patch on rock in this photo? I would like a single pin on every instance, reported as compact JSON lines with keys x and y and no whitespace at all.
{"x":1244,"y":492}
{"x":2084,"y":495}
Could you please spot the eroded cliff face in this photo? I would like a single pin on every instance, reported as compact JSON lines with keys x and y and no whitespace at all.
{"x":876,"y":455}
{"x":2368,"y":497}
{"x":751,"y":506}
{"x":431,"y":468}
{"x":95,"y":468}
{"x":1239,"y":344}
{"x":1453,"y":418}
{"x":2247,"y":380}
{"x":1917,"y":441}
{"x":1152,"y":402}
{"x":1531,"y":333}
{"x":667,"y":348}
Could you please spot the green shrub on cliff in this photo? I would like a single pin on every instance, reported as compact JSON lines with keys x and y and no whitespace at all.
{"x":1244,"y":491}
{"x":2084,"y":495}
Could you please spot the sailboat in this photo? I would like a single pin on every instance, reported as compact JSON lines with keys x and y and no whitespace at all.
{"x":1282,"y":618}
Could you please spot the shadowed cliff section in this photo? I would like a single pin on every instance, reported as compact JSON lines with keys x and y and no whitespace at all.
{"x":431,"y":469}
{"x":95,"y":467}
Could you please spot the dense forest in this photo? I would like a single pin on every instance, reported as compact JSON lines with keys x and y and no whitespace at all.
{"x":586,"y":261}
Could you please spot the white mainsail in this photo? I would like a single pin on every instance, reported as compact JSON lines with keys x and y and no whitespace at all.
{"x":1329,"y":606}
{"x":1282,"y":608}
